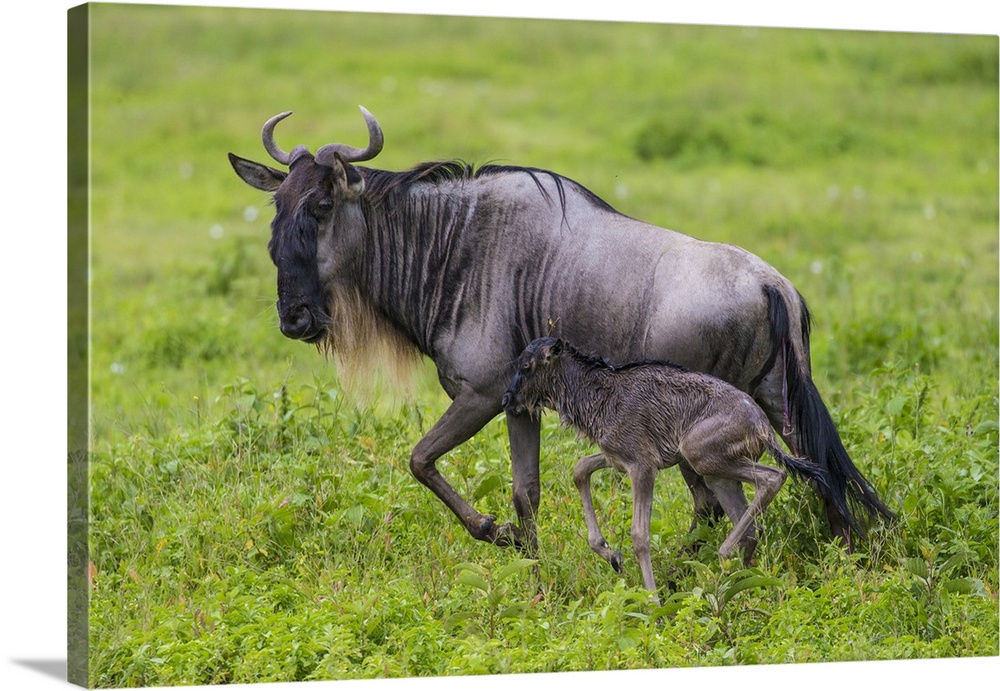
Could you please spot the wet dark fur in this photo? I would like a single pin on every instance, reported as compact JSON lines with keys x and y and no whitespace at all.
{"x":649,"y":415}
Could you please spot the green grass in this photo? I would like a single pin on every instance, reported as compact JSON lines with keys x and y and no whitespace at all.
{"x":251,"y":521}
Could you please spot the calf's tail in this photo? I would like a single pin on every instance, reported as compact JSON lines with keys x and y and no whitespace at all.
{"x":851,"y":501}
{"x":800,"y":468}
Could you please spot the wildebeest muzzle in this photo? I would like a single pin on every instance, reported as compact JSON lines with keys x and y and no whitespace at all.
{"x":298,"y":322}
{"x":511,"y":400}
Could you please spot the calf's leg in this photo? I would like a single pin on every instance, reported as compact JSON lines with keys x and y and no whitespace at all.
{"x":730,"y":493}
{"x":766,"y":481}
{"x":717,"y":449}
{"x":584,"y":468}
{"x":643,"y":478}
{"x":706,"y":504}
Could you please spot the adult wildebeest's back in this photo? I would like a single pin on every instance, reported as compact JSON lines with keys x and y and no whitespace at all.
{"x":469,"y":266}
{"x":528,"y":253}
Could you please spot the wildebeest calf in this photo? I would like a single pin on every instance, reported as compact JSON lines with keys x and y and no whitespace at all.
{"x":645,"y":416}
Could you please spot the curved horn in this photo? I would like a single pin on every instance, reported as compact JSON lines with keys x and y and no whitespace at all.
{"x":350,"y":154}
{"x":267,"y":135}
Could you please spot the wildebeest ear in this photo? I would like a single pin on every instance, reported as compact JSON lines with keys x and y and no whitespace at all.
{"x":257,"y":175}
{"x":347,"y":178}
{"x":552,"y":351}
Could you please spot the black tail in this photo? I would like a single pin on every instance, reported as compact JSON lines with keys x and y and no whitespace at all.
{"x":800,"y":468}
{"x":812,"y":434}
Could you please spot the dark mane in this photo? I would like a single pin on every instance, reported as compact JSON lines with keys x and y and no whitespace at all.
{"x":596,"y":362}
{"x":381,"y":184}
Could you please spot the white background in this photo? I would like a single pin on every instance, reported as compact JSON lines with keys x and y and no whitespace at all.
{"x":33,"y":356}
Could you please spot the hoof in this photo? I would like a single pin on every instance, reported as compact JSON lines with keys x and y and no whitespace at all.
{"x":616,"y":561}
{"x":487,"y":526}
{"x":506,"y":535}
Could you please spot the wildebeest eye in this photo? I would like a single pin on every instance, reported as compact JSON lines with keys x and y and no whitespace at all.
{"x":324,"y":206}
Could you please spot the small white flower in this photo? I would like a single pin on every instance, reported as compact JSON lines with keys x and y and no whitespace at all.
{"x":431,"y":87}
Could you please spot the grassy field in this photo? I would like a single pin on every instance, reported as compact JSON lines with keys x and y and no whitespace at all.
{"x":252,"y":521}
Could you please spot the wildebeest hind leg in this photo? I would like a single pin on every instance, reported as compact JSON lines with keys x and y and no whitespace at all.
{"x":706,"y":504}
{"x":468,"y":413}
{"x":766,"y":481}
{"x":730,"y":493}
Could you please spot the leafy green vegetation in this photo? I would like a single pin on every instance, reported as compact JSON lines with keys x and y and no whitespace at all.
{"x":253,"y":521}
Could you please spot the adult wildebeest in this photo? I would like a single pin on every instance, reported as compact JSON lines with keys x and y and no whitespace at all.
{"x":650,"y":415}
{"x":468,"y":266}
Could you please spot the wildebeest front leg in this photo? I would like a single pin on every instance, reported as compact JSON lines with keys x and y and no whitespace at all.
{"x":468,"y":413}
{"x":524,"y":435}
{"x":584,"y":468}
{"x":643,"y":476}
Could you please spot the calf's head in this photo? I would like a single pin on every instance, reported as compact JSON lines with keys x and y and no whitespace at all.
{"x":318,"y":223}
{"x":535,"y":383}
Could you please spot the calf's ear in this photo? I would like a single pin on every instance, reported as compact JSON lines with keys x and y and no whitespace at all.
{"x":553,"y":351}
{"x":257,"y":175}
